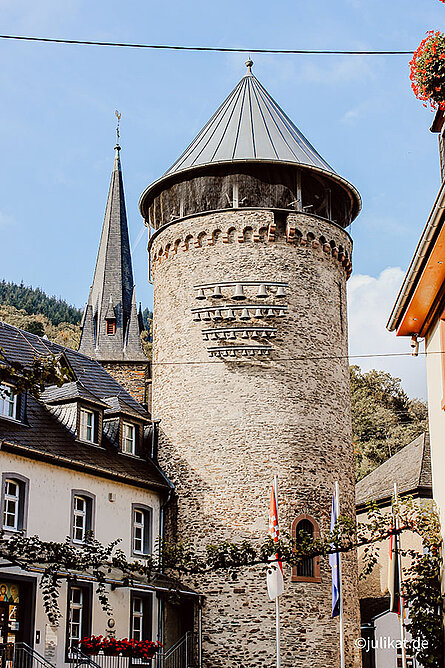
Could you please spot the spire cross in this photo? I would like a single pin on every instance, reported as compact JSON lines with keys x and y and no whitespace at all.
{"x":118,"y":116}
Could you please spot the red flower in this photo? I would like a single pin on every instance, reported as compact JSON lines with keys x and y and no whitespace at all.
{"x":428,"y":70}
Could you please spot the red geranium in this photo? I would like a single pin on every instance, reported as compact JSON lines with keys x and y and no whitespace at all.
{"x":137,"y":649}
{"x":428,"y":70}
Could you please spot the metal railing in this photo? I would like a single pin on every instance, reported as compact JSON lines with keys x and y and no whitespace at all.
{"x":179,"y":655}
{"x":80,"y":659}
{"x":21,"y":655}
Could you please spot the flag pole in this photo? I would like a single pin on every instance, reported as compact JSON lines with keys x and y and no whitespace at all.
{"x":277,"y":599}
{"x":342,"y":631}
{"x":401,"y":600}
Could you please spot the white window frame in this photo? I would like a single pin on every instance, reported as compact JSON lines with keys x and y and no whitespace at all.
{"x":82,"y":514}
{"x":84,"y":425}
{"x":128,"y":441}
{"x":73,"y":605}
{"x":8,"y":401}
{"x":137,"y":617}
{"x":139,"y":530}
{"x":14,"y":500}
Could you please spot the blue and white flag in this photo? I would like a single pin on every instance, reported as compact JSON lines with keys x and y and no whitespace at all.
{"x":334,"y":562}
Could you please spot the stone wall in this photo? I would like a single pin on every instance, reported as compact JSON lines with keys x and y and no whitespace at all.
{"x":229,"y":424}
{"x":133,"y":376}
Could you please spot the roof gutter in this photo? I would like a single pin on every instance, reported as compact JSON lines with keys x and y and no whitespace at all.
{"x":421,"y":254}
{"x":94,"y":470}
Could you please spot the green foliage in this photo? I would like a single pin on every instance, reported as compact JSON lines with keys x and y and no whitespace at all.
{"x":35,"y":377}
{"x":34,"y":301}
{"x":384,"y":418}
{"x":35,"y":327}
{"x":65,"y":334}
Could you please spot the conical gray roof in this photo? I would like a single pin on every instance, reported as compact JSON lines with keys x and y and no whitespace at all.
{"x":249,"y":125}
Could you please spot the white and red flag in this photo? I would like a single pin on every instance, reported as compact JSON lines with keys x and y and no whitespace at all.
{"x":275,"y":582}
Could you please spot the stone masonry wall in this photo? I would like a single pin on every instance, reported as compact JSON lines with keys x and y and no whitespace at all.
{"x":229,"y":424}
{"x":132,"y":376}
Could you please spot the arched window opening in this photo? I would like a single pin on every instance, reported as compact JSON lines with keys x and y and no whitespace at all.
{"x":307,"y":570}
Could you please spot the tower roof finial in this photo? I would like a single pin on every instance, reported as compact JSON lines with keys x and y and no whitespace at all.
{"x":118,"y":116}
{"x":249,"y":63}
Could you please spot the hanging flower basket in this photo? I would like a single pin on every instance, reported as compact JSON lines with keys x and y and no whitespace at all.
{"x":428,"y":70}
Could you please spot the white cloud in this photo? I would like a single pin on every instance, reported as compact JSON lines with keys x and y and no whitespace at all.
{"x":370,"y":301}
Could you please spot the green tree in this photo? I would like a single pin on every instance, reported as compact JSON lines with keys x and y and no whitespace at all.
{"x":384,"y":418}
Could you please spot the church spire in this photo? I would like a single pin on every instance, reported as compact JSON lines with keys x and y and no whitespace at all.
{"x":108,"y":315}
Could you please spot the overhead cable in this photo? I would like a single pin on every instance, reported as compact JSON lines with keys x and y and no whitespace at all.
{"x":221,"y":49}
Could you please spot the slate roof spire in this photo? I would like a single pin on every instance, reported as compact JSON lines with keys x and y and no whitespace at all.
{"x":108,"y":331}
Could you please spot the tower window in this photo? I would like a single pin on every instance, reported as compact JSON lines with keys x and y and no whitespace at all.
{"x":307,"y":570}
{"x":111,"y":327}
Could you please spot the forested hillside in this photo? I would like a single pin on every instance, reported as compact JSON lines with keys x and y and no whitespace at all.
{"x":32,"y":310}
{"x":384,"y":418}
{"x":34,"y":301}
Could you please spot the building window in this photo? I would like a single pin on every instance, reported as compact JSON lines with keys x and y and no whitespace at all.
{"x":141,"y":529}
{"x":128,"y":438}
{"x":308,"y":570}
{"x":141,"y":616}
{"x":111,"y":327}
{"x":8,"y":402}
{"x":14,"y":502}
{"x":82,"y":514}
{"x":87,"y":428}
{"x":79,"y":615}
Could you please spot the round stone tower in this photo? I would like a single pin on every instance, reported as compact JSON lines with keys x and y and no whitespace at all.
{"x":249,"y":260}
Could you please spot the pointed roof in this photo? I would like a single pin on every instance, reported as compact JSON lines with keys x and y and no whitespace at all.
{"x":249,"y":125}
{"x":113,"y":286}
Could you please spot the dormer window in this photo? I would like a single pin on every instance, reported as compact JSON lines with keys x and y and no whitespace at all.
{"x":8,"y":402}
{"x":87,"y":426}
{"x":128,"y":438}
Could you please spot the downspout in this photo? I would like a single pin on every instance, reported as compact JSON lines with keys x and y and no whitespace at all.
{"x":200,"y":632}
{"x":161,"y":568}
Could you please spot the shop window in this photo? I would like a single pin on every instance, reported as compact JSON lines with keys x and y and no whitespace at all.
{"x":308,"y":570}
{"x":14,"y":502}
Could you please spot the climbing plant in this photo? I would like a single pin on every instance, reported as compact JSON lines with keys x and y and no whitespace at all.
{"x":57,"y":561}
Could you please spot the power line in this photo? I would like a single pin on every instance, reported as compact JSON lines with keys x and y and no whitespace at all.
{"x":301,"y":358}
{"x":220,"y":49}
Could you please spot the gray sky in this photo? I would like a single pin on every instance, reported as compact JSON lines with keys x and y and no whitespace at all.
{"x":57,"y":119}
